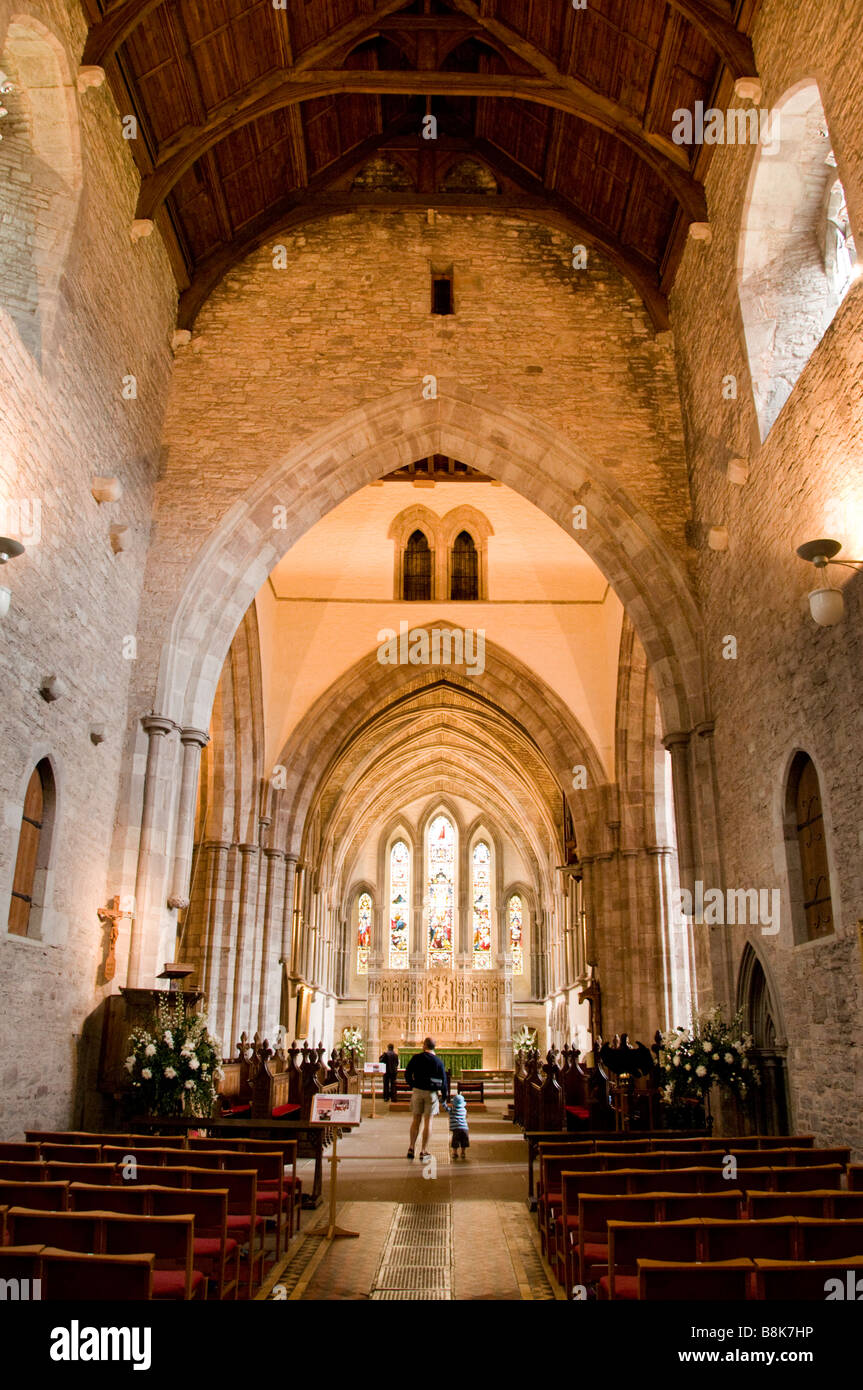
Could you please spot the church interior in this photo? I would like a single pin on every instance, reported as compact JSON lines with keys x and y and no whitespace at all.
{"x":431,"y":534}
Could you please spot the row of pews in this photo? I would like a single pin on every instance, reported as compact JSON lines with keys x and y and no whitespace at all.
{"x":657,"y":1216}
{"x":280,"y":1083}
{"x":94,"y":1216}
{"x":552,"y":1095}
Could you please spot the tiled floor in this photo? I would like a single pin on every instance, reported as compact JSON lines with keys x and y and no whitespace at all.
{"x":451,"y":1229}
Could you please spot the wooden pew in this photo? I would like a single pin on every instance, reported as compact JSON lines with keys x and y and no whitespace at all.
{"x":168,"y":1238}
{"x":658,"y":1279}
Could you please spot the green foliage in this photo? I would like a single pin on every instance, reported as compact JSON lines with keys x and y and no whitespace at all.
{"x":174,"y":1063}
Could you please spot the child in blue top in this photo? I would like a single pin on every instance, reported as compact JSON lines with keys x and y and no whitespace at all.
{"x":458,"y":1126}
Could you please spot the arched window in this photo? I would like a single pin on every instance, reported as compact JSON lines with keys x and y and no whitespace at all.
{"x":515,"y":915}
{"x":34,"y":847}
{"x":806,"y":843}
{"x":400,"y":883}
{"x":418,"y":568}
{"x":797,"y":256}
{"x":40,"y":178}
{"x":482,"y":954}
{"x":364,"y":932}
{"x":464,"y":580}
{"x":441,"y":890}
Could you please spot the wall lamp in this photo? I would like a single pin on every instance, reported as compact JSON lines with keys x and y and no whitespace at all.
{"x":8,"y":551}
{"x":827,"y":605}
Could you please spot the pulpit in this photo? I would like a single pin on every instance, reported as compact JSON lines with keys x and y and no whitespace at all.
{"x":131,"y":1008}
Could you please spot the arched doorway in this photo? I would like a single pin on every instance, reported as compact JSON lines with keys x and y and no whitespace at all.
{"x":762,"y":1020}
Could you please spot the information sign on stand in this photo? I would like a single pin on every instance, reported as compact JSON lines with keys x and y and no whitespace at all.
{"x":373,"y":1069}
{"x":340,"y":1112}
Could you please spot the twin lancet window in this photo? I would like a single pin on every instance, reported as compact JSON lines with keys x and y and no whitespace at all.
{"x":418,"y":568}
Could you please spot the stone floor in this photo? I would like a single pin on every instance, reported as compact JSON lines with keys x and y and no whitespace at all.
{"x":447,"y":1229}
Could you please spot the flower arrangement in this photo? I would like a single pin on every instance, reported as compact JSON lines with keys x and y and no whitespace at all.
{"x":352,"y":1039}
{"x":524,"y":1039}
{"x":174,"y":1065}
{"x":714,"y":1051}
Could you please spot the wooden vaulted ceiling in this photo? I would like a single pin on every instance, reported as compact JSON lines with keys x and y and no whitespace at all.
{"x":254,"y":118}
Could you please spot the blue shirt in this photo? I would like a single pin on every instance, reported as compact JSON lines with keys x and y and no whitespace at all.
{"x":457,"y":1112}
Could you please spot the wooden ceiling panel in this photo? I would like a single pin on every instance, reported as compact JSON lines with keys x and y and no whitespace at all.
{"x":311,"y":23}
{"x":690,"y":82}
{"x":541,"y":22}
{"x":521,"y":129}
{"x":236,"y":53}
{"x":196,"y":212}
{"x":154,"y":70}
{"x":242,"y":106}
{"x":615,"y":53}
{"x":649,"y":217}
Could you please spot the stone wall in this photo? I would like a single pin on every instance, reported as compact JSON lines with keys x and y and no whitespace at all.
{"x":74,"y":601}
{"x":793,"y":685}
{"x":279,"y":354}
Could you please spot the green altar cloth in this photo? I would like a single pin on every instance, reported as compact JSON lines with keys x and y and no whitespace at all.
{"x":455,"y":1059}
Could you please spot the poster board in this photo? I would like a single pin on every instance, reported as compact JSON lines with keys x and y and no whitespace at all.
{"x":374,"y":1068}
{"x":336,"y":1110}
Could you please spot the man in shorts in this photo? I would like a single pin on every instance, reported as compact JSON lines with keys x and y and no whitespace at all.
{"x":426,"y":1076}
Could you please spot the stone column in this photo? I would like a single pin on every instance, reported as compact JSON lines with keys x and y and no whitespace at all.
{"x":193,"y":742}
{"x":288,"y":911}
{"x":152,"y":852}
{"x":245,"y":927}
{"x":677,"y":745}
{"x":270,"y":968}
{"x":216,"y":860}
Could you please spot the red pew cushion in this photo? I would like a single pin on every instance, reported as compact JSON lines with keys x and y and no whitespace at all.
{"x":209,"y":1247}
{"x":625,"y":1286}
{"x":171,"y":1283}
{"x":581,"y":1112}
{"x":281,"y":1110}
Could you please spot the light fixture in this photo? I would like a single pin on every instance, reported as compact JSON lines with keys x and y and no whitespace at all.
{"x":9,"y":549}
{"x":827,"y":605}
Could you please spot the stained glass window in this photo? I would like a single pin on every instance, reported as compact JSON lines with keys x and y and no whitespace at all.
{"x":516,"y":938}
{"x":441,"y":890}
{"x":482,"y":907}
{"x":364,"y":933}
{"x":400,"y":882}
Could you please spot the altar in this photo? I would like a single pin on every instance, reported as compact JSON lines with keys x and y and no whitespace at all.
{"x":468,"y":1013}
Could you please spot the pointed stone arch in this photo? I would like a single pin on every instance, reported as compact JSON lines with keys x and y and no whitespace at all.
{"x":521,"y":452}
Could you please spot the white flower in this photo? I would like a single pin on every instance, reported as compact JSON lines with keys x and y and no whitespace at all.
{"x":194,"y":1063}
{"x":150,"y":1050}
{"x":130,"y":1062}
{"x":700,"y":1071}
{"x":170,"y":1073}
{"x":146,"y":1073}
{"x":677,"y":1061}
{"x":218,"y":1073}
{"x":744,"y":1062}
{"x":190,"y":1085}
{"x":168,"y":1038}
{"x":687,"y":1067}
{"x":715,"y":1057}
{"x":729,"y":1057}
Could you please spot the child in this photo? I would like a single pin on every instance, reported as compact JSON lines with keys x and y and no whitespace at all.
{"x":458,"y":1125}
